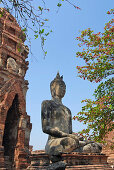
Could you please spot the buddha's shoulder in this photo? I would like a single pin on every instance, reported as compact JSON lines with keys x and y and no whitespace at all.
{"x":47,"y":103}
{"x":51,"y":104}
{"x":66,"y":108}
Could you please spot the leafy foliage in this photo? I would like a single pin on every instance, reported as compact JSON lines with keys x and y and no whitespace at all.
{"x":98,"y":114}
{"x":30,"y":17}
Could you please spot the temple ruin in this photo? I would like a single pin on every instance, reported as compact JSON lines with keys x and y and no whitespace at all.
{"x":15,"y":124}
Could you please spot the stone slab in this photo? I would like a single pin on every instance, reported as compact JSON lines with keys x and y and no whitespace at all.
{"x":77,"y":167}
{"x":40,"y":161}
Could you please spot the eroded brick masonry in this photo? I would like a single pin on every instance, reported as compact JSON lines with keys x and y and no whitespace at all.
{"x":15,"y":124}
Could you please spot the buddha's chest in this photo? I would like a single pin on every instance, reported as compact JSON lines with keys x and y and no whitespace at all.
{"x":60,"y":112}
{"x":60,"y":117}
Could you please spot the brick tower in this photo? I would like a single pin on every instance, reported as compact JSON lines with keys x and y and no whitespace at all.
{"x":15,"y":124}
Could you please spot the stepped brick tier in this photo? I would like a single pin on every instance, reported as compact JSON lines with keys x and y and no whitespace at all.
{"x":15,"y":124}
{"x":74,"y":161}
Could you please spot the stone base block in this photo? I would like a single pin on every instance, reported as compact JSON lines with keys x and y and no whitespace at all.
{"x":84,"y":159}
{"x":89,"y":167}
{"x":79,"y":167}
{"x":74,"y":161}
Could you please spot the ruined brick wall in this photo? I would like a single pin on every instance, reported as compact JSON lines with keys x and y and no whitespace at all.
{"x":108,"y":147}
{"x":15,"y":124}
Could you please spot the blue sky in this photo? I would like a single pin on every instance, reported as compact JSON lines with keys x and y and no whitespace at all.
{"x":61,"y":49}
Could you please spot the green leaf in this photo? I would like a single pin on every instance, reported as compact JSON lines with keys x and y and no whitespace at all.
{"x":40,"y":8}
{"x":36,"y":36}
{"x":59,"y":5}
{"x":47,"y":34}
{"x":36,"y":31}
{"x":41,"y":31}
{"x":24,"y":30}
{"x":45,"y":52}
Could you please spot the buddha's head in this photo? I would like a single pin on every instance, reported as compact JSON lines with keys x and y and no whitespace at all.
{"x":58,"y":87}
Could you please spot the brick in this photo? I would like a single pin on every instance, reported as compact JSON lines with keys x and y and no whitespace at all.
{"x":14,"y":121}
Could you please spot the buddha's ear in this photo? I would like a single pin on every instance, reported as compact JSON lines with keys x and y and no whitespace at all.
{"x":62,"y":77}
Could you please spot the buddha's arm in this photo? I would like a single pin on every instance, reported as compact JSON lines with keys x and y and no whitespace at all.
{"x":46,"y":122}
{"x":55,"y":132}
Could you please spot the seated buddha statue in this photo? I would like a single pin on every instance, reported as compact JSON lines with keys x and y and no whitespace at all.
{"x":57,"y":123}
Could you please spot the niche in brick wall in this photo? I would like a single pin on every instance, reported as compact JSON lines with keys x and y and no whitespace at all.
{"x":11,"y":44}
{"x":11,"y":131}
{"x":11,"y":30}
{"x":8,"y":56}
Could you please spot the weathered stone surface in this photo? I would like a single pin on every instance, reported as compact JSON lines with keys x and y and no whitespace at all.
{"x":12,"y":65}
{"x":92,"y":148}
{"x":60,"y":165}
{"x":15,"y":124}
{"x":73,"y":161}
{"x":57,"y":122}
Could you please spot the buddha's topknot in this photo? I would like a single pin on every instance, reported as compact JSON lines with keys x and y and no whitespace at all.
{"x":58,"y":79}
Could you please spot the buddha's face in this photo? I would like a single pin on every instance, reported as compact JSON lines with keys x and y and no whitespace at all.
{"x":58,"y":90}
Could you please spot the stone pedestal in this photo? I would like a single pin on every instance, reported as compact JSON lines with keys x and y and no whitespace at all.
{"x":74,"y":161}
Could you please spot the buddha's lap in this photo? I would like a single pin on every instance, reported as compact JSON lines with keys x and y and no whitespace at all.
{"x":66,"y":141}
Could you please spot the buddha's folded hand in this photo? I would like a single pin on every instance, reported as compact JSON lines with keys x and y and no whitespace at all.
{"x":74,"y":137}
